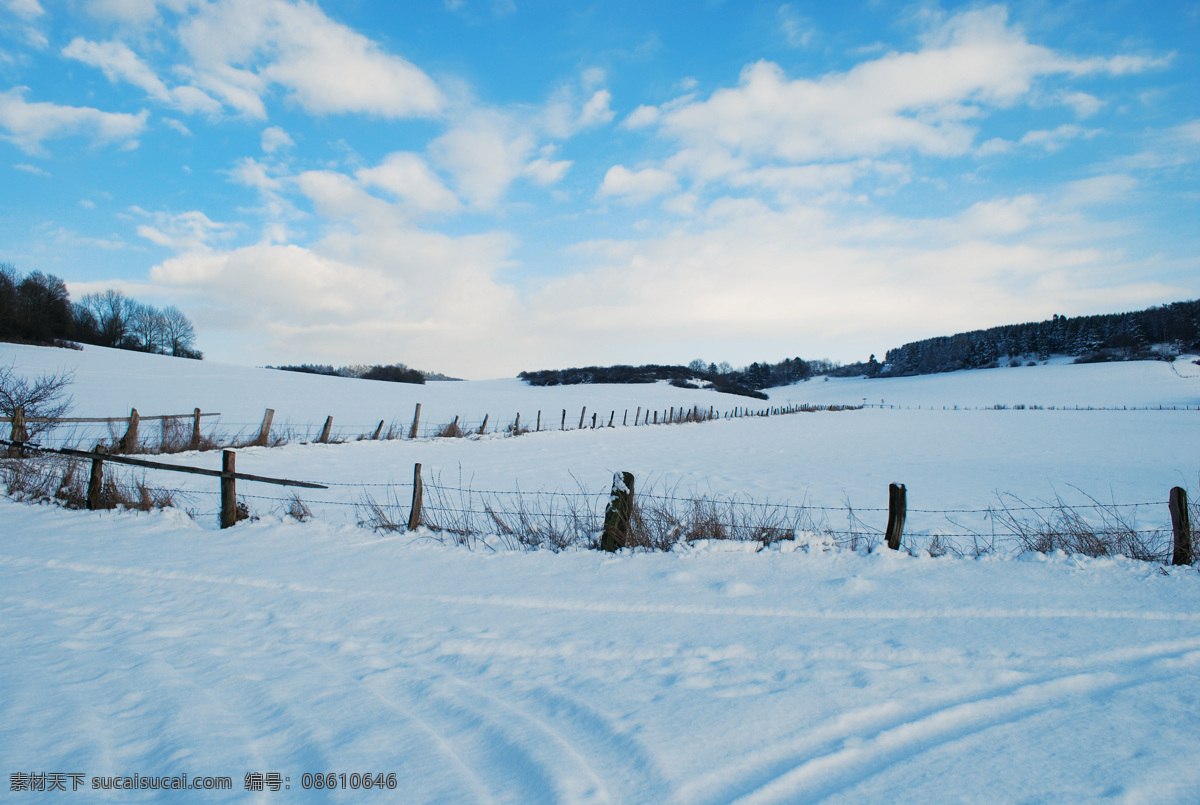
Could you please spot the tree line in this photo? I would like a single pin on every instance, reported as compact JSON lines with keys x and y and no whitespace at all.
{"x":1156,"y":332}
{"x":37,"y":309}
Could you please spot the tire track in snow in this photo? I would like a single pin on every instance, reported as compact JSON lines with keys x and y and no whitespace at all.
{"x":812,"y":766}
{"x":622,"y":607}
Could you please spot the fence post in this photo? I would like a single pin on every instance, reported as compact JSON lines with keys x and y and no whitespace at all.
{"x":264,"y":430}
{"x":412,"y":433}
{"x":539,"y":424}
{"x":617,"y":514}
{"x":483,"y":427}
{"x":378,"y":432}
{"x":897,"y":511}
{"x":414,"y":514}
{"x":228,"y":489}
{"x":517,"y":425}
{"x":96,"y":481}
{"x":564,"y":422}
{"x":637,"y":416}
{"x":19,"y":432}
{"x":324,"y":438}
{"x":625,"y":419}
{"x":194,"y":444}
{"x":582,"y":414}
{"x":610,"y":418}
{"x":129,"y":441}
{"x":593,"y":420}
{"x":1178,"y":505}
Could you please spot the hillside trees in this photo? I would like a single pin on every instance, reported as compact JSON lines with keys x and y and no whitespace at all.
{"x":38,"y":309}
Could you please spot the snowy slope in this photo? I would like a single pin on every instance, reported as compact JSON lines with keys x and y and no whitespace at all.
{"x":158,"y":644}
{"x":150,"y":644}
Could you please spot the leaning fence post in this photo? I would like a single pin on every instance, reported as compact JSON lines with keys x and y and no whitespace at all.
{"x":129,"y":441}
{"x":483,"y":427}
{"x":378,"y":432}
{"x":618,"y":512}
{"x":610,"y":418}
{"x":19,"y":432}
{"x":194,"y":444}
{"x":96,"y":481}
{"x":324,"y":438}
{"x":228,"y":489}
{"x":582,"y":414}
{"x":1180,"y":524}
{"x":897,"y":511}
{"x":412,"y":433}
{"x":264,"y":430}
{"x":414,"y":514}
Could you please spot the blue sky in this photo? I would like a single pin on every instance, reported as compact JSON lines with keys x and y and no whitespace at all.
{"x":479,"y":188}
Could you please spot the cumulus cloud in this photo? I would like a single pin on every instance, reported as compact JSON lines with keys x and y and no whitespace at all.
{"x":191,"y":230}
{"x":923,"y":101}
{"x":409,"y":178}
{"x":239,"y":47}
{"x":25,"y":9}
{"x":119,"y":63}
{"x":636,"y":186}
{"x":275,"y":138}
{"x":28,"y":124}
{"x":484,"y":154}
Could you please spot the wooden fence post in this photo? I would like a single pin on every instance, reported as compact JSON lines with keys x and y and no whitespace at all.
{"x":19,"y":432}
{"x":610,"y":418}
{"x":378,"y":432}
{"x":637,"y":416}
{"x":129,"y":441}
{"x":324,"y":437}
{"x":412,"y":432}
{"x":625,"y":419}
{"x":517,"y":425}
{"x":1180,"y":524}
{"x":483,"y":427}
{"x":564,"y":422}
{"x":539,"y":424}
{"x":264,"y":430}
{"x":228,"y":489}
{"x":582,"y":414}
{"x":96,"y":481}
{"x":593,"y":420}
{"x":897,"y":511}
{"x":194,"y":444}
{"x":414,"y":514}
{"x":617,"y":514}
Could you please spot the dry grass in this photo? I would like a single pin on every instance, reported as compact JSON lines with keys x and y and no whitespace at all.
{"x":450,"y":431}
{"x":1097,"y":529}
{"x":65,"y":482}
{"x":296,"y":509}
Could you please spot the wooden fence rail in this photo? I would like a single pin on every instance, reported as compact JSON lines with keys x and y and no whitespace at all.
{"x":228,"y":474}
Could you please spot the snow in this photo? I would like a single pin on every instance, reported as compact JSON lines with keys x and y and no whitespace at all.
{"x":158,"y":644}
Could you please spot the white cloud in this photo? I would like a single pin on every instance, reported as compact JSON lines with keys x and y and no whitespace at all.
{"x":1049,"y":140}
{"x":326,"y":67}
{"x":924,"y":101}
{"x":636,"y":186}
{"x":183,"y":231}
{"x":407,"y":177}
{"x":485,"y":153}
{"x":25,"y":9}
{"x":119,"y":63}
{"x":28,"y":124}
{"x":34,"y":169}
{"x":596,"y":111}
{"x":274,"y":138}
{"x":177,"y":126}
{"x":1084,"y":105}
{"x":641,"y":117}
{"x":797,"y":31}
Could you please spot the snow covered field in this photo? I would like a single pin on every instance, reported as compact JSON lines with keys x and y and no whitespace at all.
{"x":157,"y":644}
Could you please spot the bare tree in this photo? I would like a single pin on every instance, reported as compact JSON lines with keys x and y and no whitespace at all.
{"x":146,"y":325}
{"x":24,"y":398}
{"x":179,"y":335}
{"x":112,"y":310}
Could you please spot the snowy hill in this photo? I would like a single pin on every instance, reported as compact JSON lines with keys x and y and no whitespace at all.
{"x":803,"y":672}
